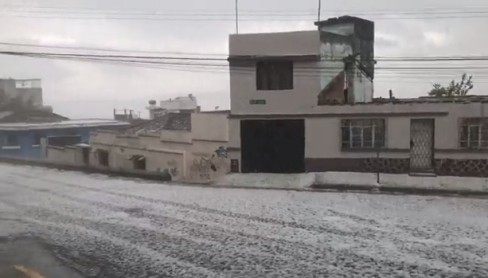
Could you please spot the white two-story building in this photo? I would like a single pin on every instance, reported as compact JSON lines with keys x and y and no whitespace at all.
{"x":303,"y":102}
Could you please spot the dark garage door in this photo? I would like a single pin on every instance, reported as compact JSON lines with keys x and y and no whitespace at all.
{"x":273,"y":146}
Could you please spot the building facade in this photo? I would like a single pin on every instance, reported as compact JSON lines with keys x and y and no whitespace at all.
{"x":177,"y":146}
{"x":27,"y":140}
{"x":187,"y":104}
{"x":27,"y":90}
{"x":324,"y":118}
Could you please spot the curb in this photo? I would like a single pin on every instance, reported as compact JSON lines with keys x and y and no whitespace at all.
{"x":395,"y":190}
{"x":320,"y":188}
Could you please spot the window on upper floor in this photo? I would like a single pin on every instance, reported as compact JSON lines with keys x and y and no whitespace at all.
{"x":363,"y":134}
{"x":474,"y":133}
{"x":274,"y":75}
{"x":11,"y":140}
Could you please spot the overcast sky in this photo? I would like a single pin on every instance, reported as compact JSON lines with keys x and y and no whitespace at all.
{"x":82,"y":90}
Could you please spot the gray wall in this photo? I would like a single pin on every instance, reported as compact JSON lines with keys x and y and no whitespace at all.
{"x":31,"y":94}
{"x":275,"y":44}
{"x":8,"y":86}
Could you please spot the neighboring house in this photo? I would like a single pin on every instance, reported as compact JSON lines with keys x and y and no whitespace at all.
{"x":27,"y":90}
{"x":27,"y":139}
{"x":294,"y":110}
{"x":186,"y":104}
{"x":176,"y":146}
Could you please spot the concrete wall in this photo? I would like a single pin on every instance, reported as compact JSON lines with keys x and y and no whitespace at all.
{"x":275,"y":44}
{"x":363,"y":88}
{"x":181,"y":155}
{"x":176,"y":136}
{"x":311,"y":75}
{"x":72,"y":156}
{"x":323,"y":132}
{"x":210,"y":127}
{"x":7,"y":86}
{"x":12,"y":89}
{"x":33,"y":95}
{"x":300,"y":99}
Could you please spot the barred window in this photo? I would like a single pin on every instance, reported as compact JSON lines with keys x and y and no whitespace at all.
{"x":474,"y":133}
{"x":363,"y":134}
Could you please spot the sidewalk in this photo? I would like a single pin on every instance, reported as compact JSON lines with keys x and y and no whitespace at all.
{"x":349,"y":181}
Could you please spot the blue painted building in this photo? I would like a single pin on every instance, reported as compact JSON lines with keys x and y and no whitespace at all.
{"x":25,"y":139}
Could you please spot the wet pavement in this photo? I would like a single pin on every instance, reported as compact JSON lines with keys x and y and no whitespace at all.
{"x":63,"y":224}
{"x":30,"y":258}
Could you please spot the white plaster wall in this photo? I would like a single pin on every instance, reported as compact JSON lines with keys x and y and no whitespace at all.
{"x":67,"y":156}
{"x":275,"y":44}
{"x":323,"y":135}
{"x":183,"y":160}
{"x":210,"y":127}
{"x":310,"y":77}
{"x":234,"y":133}
{"x":300,"y":99}
{"x":177,"y":136}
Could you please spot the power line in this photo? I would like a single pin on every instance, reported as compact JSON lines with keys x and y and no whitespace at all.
{"x":304,"y":70}
{"x":101,"y":49}
{"x":379,"y":59}
{"x":67,"y":9}
{"x":216,"y":17}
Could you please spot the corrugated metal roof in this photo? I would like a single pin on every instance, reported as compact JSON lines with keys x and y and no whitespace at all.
{"x":62,"y":124}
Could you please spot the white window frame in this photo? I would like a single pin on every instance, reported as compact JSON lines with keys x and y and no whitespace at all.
{"x":479,"y":125}
{"x":372,"y":124}
{"x":362,"y":128}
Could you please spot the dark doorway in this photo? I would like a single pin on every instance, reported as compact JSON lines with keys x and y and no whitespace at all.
{"x":86,"y":155}
{"x":103,"y":158}
{"x":273,"y":146}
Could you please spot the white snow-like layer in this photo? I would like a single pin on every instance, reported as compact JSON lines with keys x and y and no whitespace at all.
{"x":403,"y":181}
{"x":298,"y":181}
{"x":147,"y":229}
{"x":368,"y":180}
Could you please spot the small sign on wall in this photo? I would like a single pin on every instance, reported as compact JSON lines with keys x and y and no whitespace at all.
{"x":257,"y":101}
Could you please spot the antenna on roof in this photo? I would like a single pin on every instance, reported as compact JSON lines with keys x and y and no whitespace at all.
{"x":237,"y":16}
{"x":319,"y":10}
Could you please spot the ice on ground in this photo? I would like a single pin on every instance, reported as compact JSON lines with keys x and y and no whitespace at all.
{"x":298,"y":181}
{"x":403,"y":181}
{"x":367,"y":180}
{"x":130,"y":228}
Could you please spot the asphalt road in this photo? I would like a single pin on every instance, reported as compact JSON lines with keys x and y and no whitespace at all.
{"x":98,"y":226}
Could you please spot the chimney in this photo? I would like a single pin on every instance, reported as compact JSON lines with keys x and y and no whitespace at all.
{"x":391,"y":95}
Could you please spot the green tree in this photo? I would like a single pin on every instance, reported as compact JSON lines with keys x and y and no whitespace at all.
{"x":453,"y":89}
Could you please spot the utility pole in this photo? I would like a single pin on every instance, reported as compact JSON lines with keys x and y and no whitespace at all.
{"x":319,"y":10}
{"x":237,"y":16}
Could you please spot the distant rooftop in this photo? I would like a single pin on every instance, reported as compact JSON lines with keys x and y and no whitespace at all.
{"x":31,"y":116}
{"x":170,"y":121}
{"x":343,"y":19}
{"x":28,"y":83}
{"x":461,"y":99}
